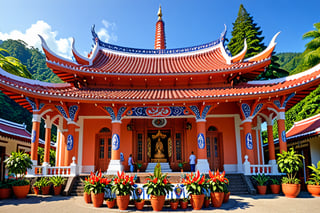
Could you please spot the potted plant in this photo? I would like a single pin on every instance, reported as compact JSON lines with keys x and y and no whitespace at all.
{"x":45,"y":185}
{"x":207,"y":200}
{"x":261,"y":183}
{"x":275,"y":186}
{"x":290,"y":162}
{"x":174,"y":204}
{"x":122,"y":186}
{"x":139,"y":203}
{"x":18,"y":163}
{"x":216,"y":184}
{"x":157,"y":186}
{"x":184,"y":203}
{"x":314,"y":181}
{"x":37,"y":187}
{"x":180,"y":165}
{"x":5,"y":190}
{"x":111,"y":202}
{"x":139,"y":165}
{"x":226,"y":193}
{"x":86,"y":190}
{"x":195,"y":183}
{"x":97,"y":188}
{"x":57,"y":182}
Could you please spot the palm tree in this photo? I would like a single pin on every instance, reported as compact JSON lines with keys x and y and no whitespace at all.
{"x":312,"y":52}
{"x":13,"y":65}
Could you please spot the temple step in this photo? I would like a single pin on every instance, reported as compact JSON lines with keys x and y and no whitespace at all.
{"x":165,"y":167}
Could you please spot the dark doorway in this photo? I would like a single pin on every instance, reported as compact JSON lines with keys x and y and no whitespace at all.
{"x":2,"y":158}
{"x":152,"y":137}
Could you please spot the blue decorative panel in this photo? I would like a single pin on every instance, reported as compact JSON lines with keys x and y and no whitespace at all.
{"x":277,"y":103}
{"x":33,"y":136}
{"x":33,"y":104}
{"x":111,"y":112}
{"x":205,"y":111}
{"x":196,"y":111}
{"x":201,"y":141}
{"x":249,"y":143}
{"x":178,"y":191}
{"x":153,"y":51}
{"x":246,"y":110}
{"x":115,"y":142}
{"x":72,"y":111}
{"x":120,"y":112}
{"x":157,"y":111}
{"x":287,"y":99}
{"x":283,"y":136}
{"x":61,"y":110}
{"x":257,"y":109}
{"x":70,"y":142}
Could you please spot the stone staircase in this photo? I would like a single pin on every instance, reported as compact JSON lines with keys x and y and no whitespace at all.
{"x":165,"y":167}
{"x":77,"y":186}
{"x":238,"y":184}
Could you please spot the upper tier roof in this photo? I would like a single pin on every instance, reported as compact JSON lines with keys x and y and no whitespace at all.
{"x":109,"y":60}
{"x":307,"y":127}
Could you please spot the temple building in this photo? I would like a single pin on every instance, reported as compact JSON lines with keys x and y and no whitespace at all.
{"x":160,"y":105}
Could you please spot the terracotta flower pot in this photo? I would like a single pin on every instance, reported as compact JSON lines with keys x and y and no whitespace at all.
{"x":217,"y":199}
{"x":36,"y":190}
{"x":45,"y":190}
{"x":57,"y":190}
{"x":87,"y":197}
{"x":157,"y":202}
{"x":139,"y":205}
{"x":174,"y":205}
{"x":5,"y":193}
{"x":314,"y":190}
{"x":97,"y":199}
{"x":123,"y":201}
{"x":184,"y":204}
{"x":21,"y":191}
{"x":111,"y":203}
{"x":226,"y":197}
{"x":262,"y":190}
{"x":275,"y":188}
{"x":197,"y":201}
{"x":291,"y":190}
{"x":206,"y":203}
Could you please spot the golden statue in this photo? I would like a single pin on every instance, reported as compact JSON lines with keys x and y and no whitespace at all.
{"x":159,"y":150}
{"x":159,"y":145}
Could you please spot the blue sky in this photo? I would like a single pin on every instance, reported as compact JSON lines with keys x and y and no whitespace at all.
{"x":132,"y":22}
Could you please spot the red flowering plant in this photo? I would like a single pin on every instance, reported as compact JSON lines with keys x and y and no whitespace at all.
{"x":123,"y":184}
{"x":96,"y":183}
{"x":195,"y":183}
{"x":157,"y":184}
{"x":217,"y":181}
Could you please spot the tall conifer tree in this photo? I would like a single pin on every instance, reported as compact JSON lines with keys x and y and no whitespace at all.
{"x":245,"y":28}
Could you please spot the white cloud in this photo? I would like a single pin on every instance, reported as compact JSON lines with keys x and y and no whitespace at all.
{"x":61,"y":46}
{"x":105,"y":33}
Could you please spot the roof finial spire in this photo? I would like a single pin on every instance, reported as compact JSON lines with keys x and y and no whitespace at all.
{"x":159,"y":13}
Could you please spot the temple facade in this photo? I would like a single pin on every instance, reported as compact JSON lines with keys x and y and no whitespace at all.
{"x":160,"y":105}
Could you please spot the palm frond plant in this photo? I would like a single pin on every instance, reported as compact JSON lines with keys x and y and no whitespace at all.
{"x":261,"y":179}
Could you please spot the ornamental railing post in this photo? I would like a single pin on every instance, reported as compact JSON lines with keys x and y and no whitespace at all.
{"x":73,"y":167}
{"x":246,"y":166}
{"x":274,"y":167}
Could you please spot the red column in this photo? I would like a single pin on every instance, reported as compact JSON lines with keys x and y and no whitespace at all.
{"x":71,"y":140}
{"x":272,"y":155}
{"x":35,"y":140}
{"x":248,"y":141}
{"x":116,"y":130}
{"x":201,"y":135}
{"x":47,"y":146}
{"x":282,"y":132}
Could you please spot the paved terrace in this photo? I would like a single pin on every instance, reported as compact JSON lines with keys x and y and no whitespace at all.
{"x":258,"y":203}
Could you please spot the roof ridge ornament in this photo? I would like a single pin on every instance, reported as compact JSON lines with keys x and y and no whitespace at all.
{"x":159,"y":13}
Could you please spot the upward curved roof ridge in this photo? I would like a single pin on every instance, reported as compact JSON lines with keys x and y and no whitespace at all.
{"x":194,"y":48}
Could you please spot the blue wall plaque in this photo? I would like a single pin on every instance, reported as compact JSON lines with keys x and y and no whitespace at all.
{"x":201,"y":141}
{"x":115,"y":142}
{"x":33,"y":136}
{"x":283,"y":136}
{"x":70,"y":142}
{"x":249,"y":143}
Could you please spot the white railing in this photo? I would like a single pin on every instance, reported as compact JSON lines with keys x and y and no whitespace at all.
{"x":268,"y":169}
{"x":46,"y":170}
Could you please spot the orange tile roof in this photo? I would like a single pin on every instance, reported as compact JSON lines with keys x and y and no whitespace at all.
{"x":306,"y":127}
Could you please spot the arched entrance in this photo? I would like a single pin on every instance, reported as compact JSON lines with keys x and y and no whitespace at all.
{"x":214,"y":148}
{"x":103,"y":149}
